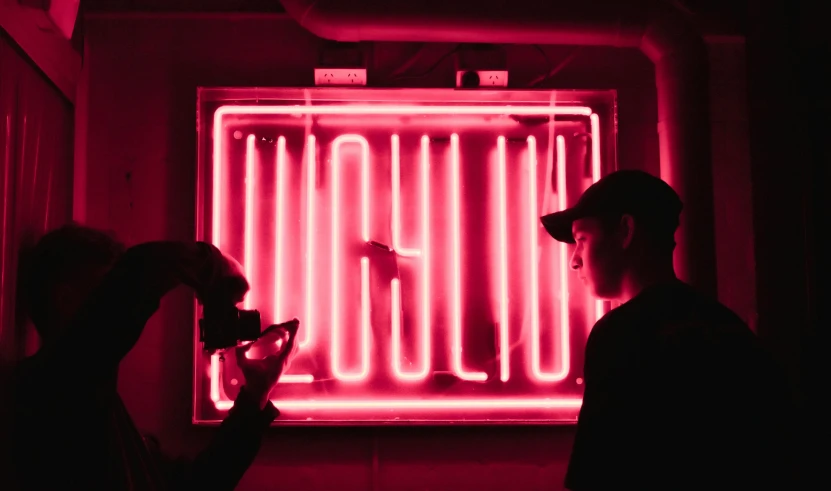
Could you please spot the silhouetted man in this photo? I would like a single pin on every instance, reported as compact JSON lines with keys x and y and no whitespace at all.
{"x":678,"y":392}
{"x":89,"y":300}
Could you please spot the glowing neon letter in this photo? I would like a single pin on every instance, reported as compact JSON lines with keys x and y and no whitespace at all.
{"x":279,"y":277}
{"x":311,"y":164}
{"x":248,"y":233}
{"x":458,"y":368}
{"x":396,"y":201}
{"x":504,"y":348}
{"x":395,"y":284}
{"x":533,"y":214}
{"x":599,"y":306}
{"x":362,"y":373}
{"x":279,"y":223}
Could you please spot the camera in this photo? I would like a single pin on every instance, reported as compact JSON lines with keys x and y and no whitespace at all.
{"x":225,"y":326}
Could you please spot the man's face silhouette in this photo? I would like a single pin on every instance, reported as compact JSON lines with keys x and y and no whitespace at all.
{"x":598,"y":257}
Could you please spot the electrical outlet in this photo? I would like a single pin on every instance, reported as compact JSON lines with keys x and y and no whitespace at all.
{"x":340,"y":76}
{"x":487,"y":78}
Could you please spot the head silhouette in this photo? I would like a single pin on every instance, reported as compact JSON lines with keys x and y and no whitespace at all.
{"x":60,"y":271}
{"x":623,"y":229}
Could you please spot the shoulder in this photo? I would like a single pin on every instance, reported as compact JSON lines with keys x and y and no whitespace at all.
{"x":617,"y":324}
{"x":703,"y":328}
{"x":604,"y":329}
{"x":615,"y":319}
{"x":713,"y":310}
{"x":679,"y":309}
{"x":710,"y":321}
{"x":610,"y":340}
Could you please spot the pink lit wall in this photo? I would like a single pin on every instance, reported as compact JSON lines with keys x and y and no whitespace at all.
{"x":36,"y":137}
{"x":137,"y":154}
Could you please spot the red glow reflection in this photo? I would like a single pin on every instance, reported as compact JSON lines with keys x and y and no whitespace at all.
{"x":411,"y":252}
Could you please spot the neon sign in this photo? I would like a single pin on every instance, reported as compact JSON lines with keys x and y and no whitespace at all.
{"x":402,"y":229}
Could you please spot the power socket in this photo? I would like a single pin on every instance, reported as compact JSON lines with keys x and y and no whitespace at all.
{"x":487,"y":78}
{"x":340,"y":76}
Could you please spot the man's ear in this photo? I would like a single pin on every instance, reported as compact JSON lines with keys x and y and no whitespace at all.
{"x":627,"y":230}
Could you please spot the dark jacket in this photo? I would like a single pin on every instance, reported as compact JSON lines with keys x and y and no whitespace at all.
{"x":679,"y":395}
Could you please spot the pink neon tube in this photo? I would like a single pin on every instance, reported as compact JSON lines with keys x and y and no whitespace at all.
{"x":458,"y":368}
{"x":421,"y":404}
{"x":250,"y":180}
{"x":395,"y":284}
{"x":406,"y":110}
{"x":216,"y":185}
{"x":425,"y":255}
{"x":286,"y":378}
{"x":216,"y":396}
{"x":311,"y":164}
{"x":279,"y":223}
{"x":536,"y":369}
{"x":562,"y":202}
{"x":337,"y":370}
{"x":599,"y":305}
{"x":396,"y":201}
{"x":504,"y":343}
{"x":305,"y":326}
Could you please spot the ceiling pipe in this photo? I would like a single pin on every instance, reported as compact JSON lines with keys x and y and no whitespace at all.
{"x":662,"y":32}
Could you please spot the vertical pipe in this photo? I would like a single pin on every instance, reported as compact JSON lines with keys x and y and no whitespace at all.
{"x":682,"y":82}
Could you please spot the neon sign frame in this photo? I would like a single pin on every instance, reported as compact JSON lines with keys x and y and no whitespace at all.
{"x":218,"y":106}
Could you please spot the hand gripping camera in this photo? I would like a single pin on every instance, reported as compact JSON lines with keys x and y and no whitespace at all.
{"x":225,"y":326}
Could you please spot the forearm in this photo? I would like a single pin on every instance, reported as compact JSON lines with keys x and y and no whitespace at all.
{"x":112,"y":319}
{"x":223,"y":463}
{"x":170,"y":263}
{"x":260,"y":398}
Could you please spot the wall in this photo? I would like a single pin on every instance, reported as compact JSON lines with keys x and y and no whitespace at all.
{"x":735,"y":238}
{"x":137,"y":154}
{"x":36,"y":136}
{"x":788,"y":53}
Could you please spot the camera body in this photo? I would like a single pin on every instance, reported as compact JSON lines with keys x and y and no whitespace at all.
{"x":225,"y":326}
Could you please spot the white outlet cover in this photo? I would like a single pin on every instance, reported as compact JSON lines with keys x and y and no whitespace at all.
{"x":340,"y":76}
{"x":487,"y":78}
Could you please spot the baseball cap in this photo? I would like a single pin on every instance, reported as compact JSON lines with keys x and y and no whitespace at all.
{"x":631,"y":192}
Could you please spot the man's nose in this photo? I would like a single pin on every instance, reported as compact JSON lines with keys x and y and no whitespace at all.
{"x":576,"y":261}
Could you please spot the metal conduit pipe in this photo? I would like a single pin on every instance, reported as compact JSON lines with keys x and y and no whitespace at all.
{"x":662,"y":32}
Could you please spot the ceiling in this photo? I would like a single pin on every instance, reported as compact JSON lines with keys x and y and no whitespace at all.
{"x":182,"y":5}
{"x":714,"y":16}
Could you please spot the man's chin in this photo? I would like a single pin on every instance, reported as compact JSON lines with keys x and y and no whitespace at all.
{"x":599,"y":294}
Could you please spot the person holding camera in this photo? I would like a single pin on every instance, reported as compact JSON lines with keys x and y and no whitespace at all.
{"x":89,"y":299}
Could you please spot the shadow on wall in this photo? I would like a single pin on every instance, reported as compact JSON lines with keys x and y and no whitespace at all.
{"x":36,"y":141}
